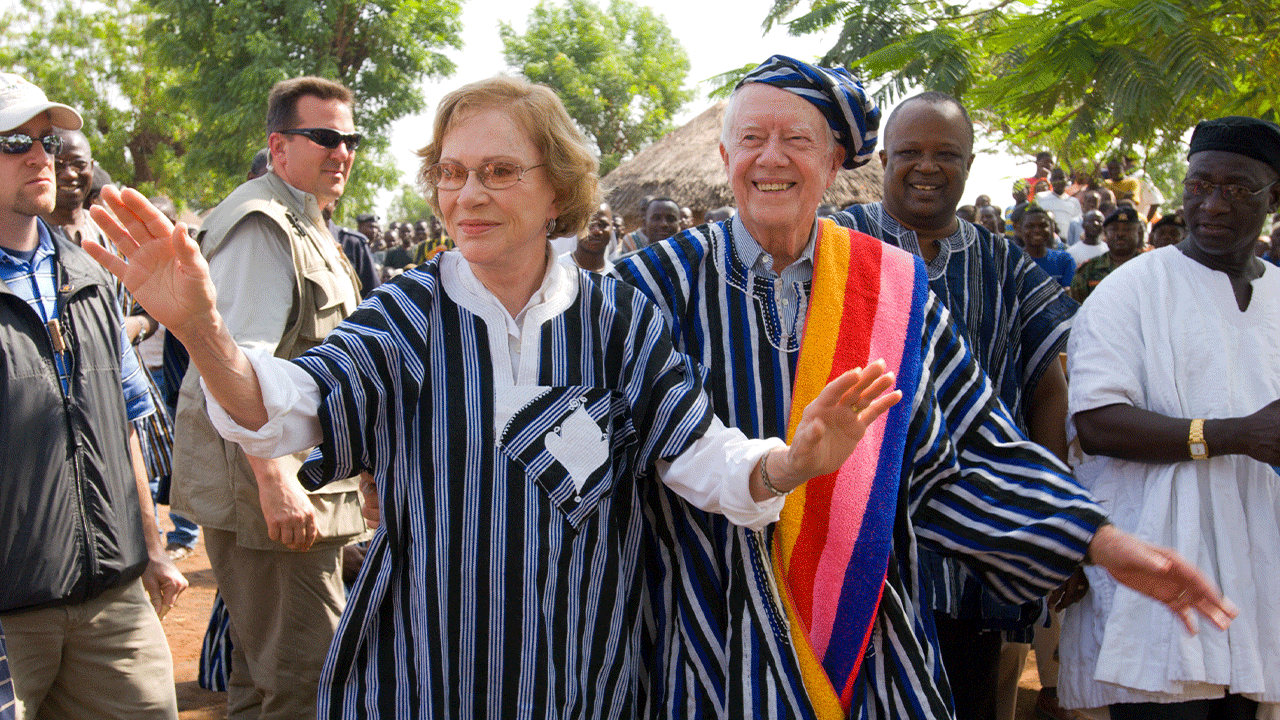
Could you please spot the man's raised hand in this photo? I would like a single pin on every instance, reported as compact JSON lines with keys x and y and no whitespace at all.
{"x":833,"y":423}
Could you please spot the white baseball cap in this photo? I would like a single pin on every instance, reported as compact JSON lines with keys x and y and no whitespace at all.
{"x":20,"y":101}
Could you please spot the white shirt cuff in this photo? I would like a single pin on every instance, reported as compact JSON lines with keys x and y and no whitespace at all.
{"x":292,"y":399}
{"x":714,"y":473}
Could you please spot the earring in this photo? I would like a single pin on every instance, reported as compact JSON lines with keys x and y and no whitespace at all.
{"x":551,"y":225}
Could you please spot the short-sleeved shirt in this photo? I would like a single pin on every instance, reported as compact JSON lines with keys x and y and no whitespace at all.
{"x":1126,"y":186}
{"x":34,"y":279}
{"x":1059,"y":265}
{"x":1065,"y":209}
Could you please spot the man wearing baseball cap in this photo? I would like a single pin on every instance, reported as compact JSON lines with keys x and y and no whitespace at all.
{"x":78,"y":540}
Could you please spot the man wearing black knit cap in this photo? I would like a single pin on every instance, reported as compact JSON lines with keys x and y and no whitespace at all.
{"x":1174,"y":380}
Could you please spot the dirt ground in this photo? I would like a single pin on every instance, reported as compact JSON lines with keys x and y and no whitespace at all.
{"x":186,"y":622}
{"x":184,"y":626}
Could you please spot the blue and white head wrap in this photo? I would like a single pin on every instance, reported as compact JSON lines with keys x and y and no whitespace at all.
{"x":853,"y":116}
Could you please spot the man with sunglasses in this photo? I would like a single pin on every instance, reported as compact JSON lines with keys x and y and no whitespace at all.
{"x":79,"y":547}
{"x":283,"y":284}
{"x":1174,"y":380}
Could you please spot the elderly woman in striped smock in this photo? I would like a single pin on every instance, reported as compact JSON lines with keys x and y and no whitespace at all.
{"x":515,"y":414}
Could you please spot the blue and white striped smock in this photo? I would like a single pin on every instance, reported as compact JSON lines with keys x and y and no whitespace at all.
{"x":498,"y":586}
{"x":1016,"y":319}
{"x":972,"y":486}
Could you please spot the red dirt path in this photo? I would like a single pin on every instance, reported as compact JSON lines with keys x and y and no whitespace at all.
{"x":186,"y":622}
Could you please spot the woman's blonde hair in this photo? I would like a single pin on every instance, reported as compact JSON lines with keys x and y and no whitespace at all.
{"x":571,"y":167}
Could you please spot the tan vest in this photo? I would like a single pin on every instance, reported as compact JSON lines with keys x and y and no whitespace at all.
{"x":213,"y":484}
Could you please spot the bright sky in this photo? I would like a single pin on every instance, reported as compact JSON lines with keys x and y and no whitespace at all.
{"x":718,"y":36}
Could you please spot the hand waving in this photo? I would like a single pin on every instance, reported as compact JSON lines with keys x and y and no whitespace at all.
{"x":163,"y":267}
{"x":836,"y":420}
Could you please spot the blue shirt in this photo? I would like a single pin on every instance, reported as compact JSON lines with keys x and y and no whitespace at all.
{"x":35,"y":281}
{"x":790,"y":287}
{"x":1058,"y":264}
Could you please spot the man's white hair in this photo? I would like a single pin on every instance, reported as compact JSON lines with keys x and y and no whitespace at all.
{"x":731,"y":111}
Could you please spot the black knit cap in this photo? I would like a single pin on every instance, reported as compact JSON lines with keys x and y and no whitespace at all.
{"x":1124,"y":213}
{"x":1246,"y":136}
{"x":1170,"y":219}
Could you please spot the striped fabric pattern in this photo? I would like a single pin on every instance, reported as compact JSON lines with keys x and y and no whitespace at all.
{"x":1014,"y":316}
{"x":1016,"y":320}
{"x":215,"y":650}
{"x":832,"y":543}
{"x":970,"y":485}
{"x":492,"y":588}
{"x":852,"y":115}
{"x":8,"y":702}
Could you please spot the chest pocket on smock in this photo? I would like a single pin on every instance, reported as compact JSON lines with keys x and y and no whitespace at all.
{"x":572,"y":442}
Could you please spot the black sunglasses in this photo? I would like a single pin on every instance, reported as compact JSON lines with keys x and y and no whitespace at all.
{"x":326,"y":138}
{"x":20,"y":144}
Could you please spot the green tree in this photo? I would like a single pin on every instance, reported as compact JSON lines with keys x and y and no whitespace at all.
{"x":231,"y":52}
{"x":619,"y":72}
{"x":95,"y":57}
{"x":1078,"y":77}
{"x":409,"y":205}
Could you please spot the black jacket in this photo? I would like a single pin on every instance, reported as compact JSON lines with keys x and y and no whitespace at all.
{"x":70,"y":524}
{"x":356,"y":247}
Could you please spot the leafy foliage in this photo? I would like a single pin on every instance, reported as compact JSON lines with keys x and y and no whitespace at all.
{"x":95,"y":58}
{"x":409,"y":205}
{"x":174,"y":91}
{"x":231,"y":52}
{"x":1077,"y":77}
{"x":619,"y":72}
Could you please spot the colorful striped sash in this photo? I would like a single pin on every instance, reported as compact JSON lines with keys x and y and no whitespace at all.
{"x":831,"y":547}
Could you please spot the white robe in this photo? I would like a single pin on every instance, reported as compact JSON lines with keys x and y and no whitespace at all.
{"x":1164,"y":333}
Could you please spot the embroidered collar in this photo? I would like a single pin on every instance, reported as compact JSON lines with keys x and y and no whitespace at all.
{"x":753,"y":256}
{"x":965,"y":235}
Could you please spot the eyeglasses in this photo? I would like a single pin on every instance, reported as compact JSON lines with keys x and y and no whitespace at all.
{"x":327,"y":138}
{"x":493,"y":175}
{"x":20,"y":144}
{"x":1231,"y":191}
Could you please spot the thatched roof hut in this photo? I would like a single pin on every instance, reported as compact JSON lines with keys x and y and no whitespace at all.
{"x":686,"y":165}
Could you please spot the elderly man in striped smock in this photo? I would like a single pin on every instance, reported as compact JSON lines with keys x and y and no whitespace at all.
{"x":821,"y":615}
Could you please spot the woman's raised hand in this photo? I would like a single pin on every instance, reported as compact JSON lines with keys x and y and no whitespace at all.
{"x":162,"y":265}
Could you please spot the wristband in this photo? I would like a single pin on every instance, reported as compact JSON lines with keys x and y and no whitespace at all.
{"x":764,"y":476}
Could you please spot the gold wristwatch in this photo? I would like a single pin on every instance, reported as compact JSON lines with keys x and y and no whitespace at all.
{"x":1195,"y":441}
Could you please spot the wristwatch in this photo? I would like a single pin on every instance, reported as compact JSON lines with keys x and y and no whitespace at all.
{"x":1195,"y":441}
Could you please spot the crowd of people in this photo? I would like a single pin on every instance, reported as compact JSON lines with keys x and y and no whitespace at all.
{"x":1108,"y":213}
{"x":511,"y":460}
